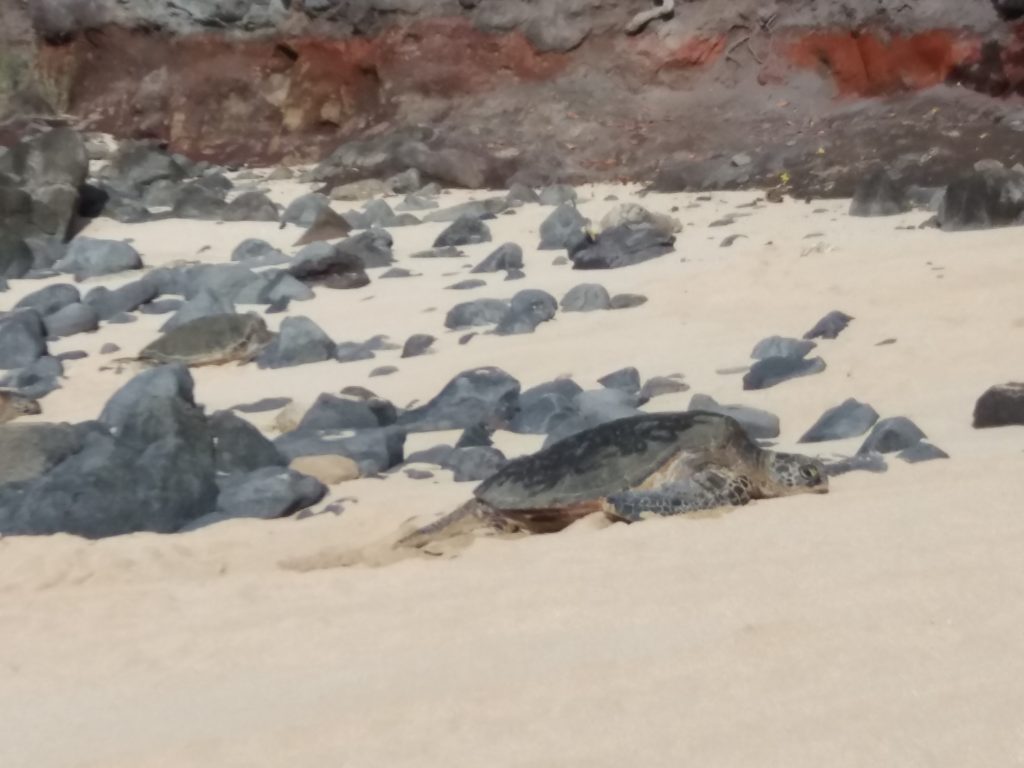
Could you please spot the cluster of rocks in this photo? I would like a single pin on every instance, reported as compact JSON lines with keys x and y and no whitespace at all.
{"x":988,"y":195}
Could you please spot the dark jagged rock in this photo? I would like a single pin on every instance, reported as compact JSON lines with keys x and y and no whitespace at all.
{"x":507,"y":256}
{"x":1000,"y":406}
{"x":920,"y":452}
{"x":87,"y":257}
{"x":479,"y":312}
{"x":239,"y":447}
{"x":848,"y":419}
{"x":775,"y":370}
{"x":992,"y":197}
{"x":251,"y":206}
{"x":586,"y":297}
{"x":526,"y":311}
{"x":891,"y":435}
{"x":374,"y":450}
{"x":564,"y":228}
{"x":624,"y":379}
{"x":299,"y":342}
{"x":830,"y":326}
{"x":466,"y":230}
{"x":656,"y":386}
{"x":322,"y":263}
{"x":779,"y":346}
{"x":22,"y":339}
{"x":623,"y":246}
{"x":372,"y":248}
{"x":195,"y":201}
{"x":878,"y":194}
{"x":486,"y":396}
{"x":417,"y":344}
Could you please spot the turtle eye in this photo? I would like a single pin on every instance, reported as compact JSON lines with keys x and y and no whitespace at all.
{"x":809,"y":473}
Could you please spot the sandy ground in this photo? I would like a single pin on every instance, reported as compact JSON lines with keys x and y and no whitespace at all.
{"x":877,"y":625}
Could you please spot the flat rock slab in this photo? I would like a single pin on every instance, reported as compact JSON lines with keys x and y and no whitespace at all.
{"x":775,"y":370}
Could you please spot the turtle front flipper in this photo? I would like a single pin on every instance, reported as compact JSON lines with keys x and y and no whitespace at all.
{"x":471,"y":519}
{"x":708,"y":489}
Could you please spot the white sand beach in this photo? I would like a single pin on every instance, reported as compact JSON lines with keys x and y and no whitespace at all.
{"x":877,"y":625}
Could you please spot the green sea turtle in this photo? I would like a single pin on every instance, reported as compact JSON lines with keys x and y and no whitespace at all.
{"x":210,"y":340}
{"x":13,"y":405}
{"x":630,"y":469}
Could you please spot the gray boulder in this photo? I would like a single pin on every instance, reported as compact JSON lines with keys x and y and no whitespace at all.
{"x":779,"y":346}
{"x":586,"y":297}
{"x":374,"y":450}
{"x":624,"y":379}
{"x":258,"y":253}
{"x":107,"y":303}
{"x":239,"y":447}
{"x":72,"y":319}
{"x":480,"y":396}
{"x":507,"y":256}
{"x":251,"y":206}
{"x":331,"y":412}
{"x":299,"y":342}
{"x":203,"y":304}
{"x":22,"y":339}
{"x":564,"y":228}
{"x":990,"y":197}
{"x":775,"y":370}
{"x":88,"y":257}
{"x":891,"y":435}
{"x":264,"y":494}
{"x":1000,"y":406}
{"x":877,"y":194}
{"x":623,"y":246}
{"x":830,"y":326}
{"x":848,"y":419}
{"x":473,"y":313}
{"x":372,"y":248}
{"x":48,"y":300}
{"x":759,"y":424}
{"x":526,"y":311}
{"x":417,"y":344}
{"x":466,"y":230}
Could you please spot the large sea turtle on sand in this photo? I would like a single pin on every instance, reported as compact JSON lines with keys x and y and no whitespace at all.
{"x":630,"y":469}
{"x":210,"y":340}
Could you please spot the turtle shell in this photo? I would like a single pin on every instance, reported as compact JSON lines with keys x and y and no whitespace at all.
{"x":620,"y":455}
{"x":208,"y":340}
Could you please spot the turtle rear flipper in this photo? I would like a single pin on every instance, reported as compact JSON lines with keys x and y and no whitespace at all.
{"x":473,"y":518}
{"x":708,"y":489}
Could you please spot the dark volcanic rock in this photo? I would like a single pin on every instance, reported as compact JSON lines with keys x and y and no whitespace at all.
{"x":72,"y":319}
{"x":203,"y":304}
{"x":239,"y":447}
{"x":1000,"y":406}
{"x":28,"y":451}
{"x":333,"y":412}
{"x":127,"y":298}
{"x":759,"y":424}
{"x":195,"y":201}
{"x":848,"y":419}
{"x":830,"y":326}
{"x":374,"y":450}
{"x":627,"y":300}
{"x":893,"y":434}
{"x":466,"y":230}
{"x":479,"y":312}
{"x":486,"y":396}
{"x":507,"y":256}
{"x":372,"y":248}
{"x":156,"y":474}
{"x":264,"y":494}
{"x":526,"y":311}
{"x":468,"y":464}
{"x":417,"y":345}
{"x":544,"y":407}
{"x":586,"y":297}
{"x":565,"y":228}
{"x":325,"y":263}
{"x":22,"y":339}
{"x":258,"y":253}
{"x":303,"y":210}
{"x":466,"y":285}
{"x":48,"y":300}
{"x":779,"y":346}
{"x":624,"y":379}
{"x":991,"y":197}
{"x":87,"y":257}
{"x":15,"y":256}
{"x":299,"y":342}
{"x":878,"y":194}
{"x":623,"y":246}
{"x":775,"y":370}
{"x":251,"y":206}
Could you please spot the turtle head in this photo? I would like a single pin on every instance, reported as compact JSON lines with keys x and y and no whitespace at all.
{"x":790,"y":473}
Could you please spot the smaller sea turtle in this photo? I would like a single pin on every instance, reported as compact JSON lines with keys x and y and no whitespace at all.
{"x":630,"y":469}
{"x":210,"y":340}
{"x":13,"y":405}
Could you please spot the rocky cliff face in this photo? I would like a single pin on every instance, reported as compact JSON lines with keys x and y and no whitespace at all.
{"x":575,"y":89}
